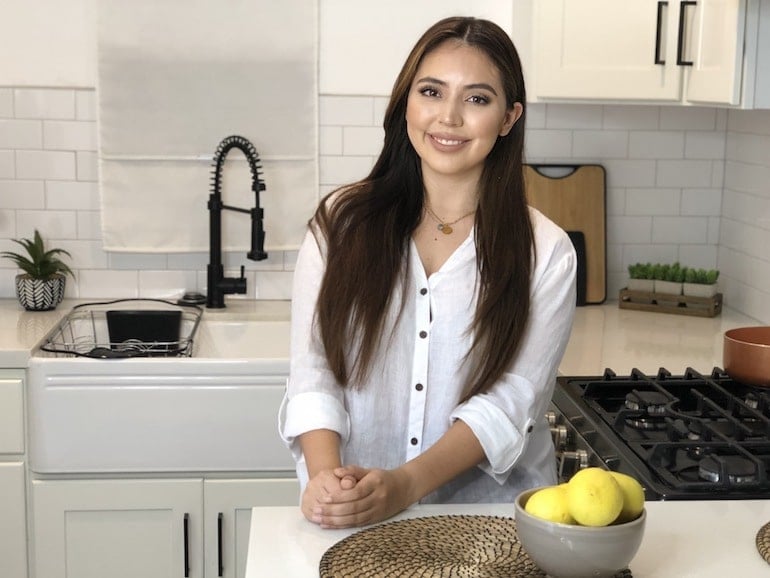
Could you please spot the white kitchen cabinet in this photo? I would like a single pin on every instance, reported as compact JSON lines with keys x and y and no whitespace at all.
{"x":153,"y":528}
{"x":700,"y":52}
{"x":13,"y":504}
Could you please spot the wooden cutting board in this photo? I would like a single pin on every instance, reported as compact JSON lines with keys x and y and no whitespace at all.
{"x":573,"y":196}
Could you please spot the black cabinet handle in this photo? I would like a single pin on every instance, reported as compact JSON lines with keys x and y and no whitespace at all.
{"x":186,"y":532}
{"x":220,"y":562}
{"x":682,"y":25}
{"x":659,"y":32}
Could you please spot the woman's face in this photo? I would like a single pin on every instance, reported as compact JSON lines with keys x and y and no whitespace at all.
{"x":456,"y":110}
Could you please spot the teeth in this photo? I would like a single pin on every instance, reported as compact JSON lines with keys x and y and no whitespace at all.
{"x":447,"y":142}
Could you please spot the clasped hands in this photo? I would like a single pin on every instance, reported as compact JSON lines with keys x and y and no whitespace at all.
{"x":351,"y":496}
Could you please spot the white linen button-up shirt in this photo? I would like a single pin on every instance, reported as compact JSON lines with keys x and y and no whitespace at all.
{"x":412,"y":393}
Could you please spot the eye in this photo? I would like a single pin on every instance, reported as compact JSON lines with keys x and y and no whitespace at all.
{"x":478,"y":99}
{"x":429,"y":91}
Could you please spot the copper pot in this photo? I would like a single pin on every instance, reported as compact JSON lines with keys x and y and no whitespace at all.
{"x":746,"y":355}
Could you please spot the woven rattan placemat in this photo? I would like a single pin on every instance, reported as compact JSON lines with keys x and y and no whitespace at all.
{"x":763,"y":542}
{"x":433,"y":547}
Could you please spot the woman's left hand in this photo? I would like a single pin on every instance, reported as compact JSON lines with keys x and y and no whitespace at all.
{"x":376,"y":496}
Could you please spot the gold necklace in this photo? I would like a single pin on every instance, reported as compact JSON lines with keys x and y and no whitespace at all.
{"x":442,"y":225}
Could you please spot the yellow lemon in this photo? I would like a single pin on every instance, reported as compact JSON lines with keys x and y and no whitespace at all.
{"x":594,"y":497}
{"x":550,"y":503}
{"x":633,"y":497}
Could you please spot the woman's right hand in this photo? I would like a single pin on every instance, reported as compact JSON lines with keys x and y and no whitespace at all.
{"x":318,"y":490}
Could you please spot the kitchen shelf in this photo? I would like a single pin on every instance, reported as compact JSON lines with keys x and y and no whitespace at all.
{"x":668,"y":303}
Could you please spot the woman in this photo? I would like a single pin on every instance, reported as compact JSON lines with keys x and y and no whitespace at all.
{"x":431,"y":306}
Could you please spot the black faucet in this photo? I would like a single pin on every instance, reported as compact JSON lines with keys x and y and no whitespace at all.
{"x":218,"y":284}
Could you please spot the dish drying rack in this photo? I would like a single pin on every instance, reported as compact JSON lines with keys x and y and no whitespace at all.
{"x":125,"y":328}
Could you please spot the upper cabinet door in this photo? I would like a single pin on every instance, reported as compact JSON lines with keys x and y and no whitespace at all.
{"x":605,"y":49}
{"x":717,"y":52}
{"x":640,"y":50}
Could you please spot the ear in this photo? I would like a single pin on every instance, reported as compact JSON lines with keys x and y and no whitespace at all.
{"x":510,"y":118}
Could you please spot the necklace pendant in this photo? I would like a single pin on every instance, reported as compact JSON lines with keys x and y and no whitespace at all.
{"x":446,"y":229}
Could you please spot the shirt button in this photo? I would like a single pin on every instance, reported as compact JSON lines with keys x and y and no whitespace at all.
{"x":530,"y":428}
{"x":423,"y":291}
{"x":423,"y":334}
{"x":418,"y":387}
{"x":413,"y":441}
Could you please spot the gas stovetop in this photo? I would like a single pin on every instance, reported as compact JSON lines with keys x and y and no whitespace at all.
{"x":689,"y":436}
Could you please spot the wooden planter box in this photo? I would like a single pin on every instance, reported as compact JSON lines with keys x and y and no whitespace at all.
{"x":676,"y":304}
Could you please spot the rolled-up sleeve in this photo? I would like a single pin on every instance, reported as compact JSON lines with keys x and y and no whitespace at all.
{"x":503,"y":417}
{"x":313,"y":399}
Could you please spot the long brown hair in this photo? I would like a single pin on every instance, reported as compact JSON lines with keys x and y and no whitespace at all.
{"x":368,"y":225}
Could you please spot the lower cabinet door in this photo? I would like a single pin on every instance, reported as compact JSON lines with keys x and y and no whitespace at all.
{"x":227,"y":516}
{"x":13,"y":526}
{"x":118,"y":528}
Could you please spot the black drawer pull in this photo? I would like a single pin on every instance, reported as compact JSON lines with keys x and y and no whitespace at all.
{"x":220,"y":561}
{"x":186,"y":531}
{"x":659,"y":32}
{"x":682,"y":29}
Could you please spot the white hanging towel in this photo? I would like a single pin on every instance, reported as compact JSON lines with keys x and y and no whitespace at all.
{"x":178,"y":76}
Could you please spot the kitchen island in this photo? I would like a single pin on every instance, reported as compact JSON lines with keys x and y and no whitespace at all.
{"x":683,"y":539}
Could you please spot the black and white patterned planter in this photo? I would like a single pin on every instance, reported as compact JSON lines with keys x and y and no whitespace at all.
{"x":40,"y":294}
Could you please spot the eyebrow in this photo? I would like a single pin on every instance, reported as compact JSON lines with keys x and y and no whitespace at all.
{"x":476,"y":85}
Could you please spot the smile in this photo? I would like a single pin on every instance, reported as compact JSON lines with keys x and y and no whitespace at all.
{"x":447,"y":141}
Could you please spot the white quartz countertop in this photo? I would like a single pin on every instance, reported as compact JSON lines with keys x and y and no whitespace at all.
{"x":683,"y":539}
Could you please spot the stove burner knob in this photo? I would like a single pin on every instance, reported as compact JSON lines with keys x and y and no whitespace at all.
{"x":572,"y":462}
{"x":559,"y":436}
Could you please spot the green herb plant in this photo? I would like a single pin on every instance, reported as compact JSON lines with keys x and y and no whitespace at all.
{"x":39,"y":262}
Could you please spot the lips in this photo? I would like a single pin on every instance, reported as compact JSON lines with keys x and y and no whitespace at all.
{"x":447,"y":141}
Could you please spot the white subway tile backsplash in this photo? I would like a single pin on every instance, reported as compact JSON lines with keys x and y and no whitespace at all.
{"x":104,"y":284}
{"x":600,"y":144}
{"x":630,"y":117}
{"x":646,"y":144}
{"x":671,"y":172}
{"x":535,"y":116}
{"x":44,"y":103}
{"x":85,"y":105}
{"x":7,"y":165}
{"x":165,"y":284}
{"x":629,"y":230}
{"x":701,"y":202}
{"x":55,"y":165}
{"x":573,"y":116}
{"x":684,"y":173}
{"x":630,"y":173}
{"x":53,"y":225}
{"x":359,"y":140}
{"x":705,"y":145}
{"x":22,"y":194}
{"x":346,"y":110}
{"x":680,"y":230}
{"x":72,"y":195}
{"x":698,"y":256}
{"x":69,"y":135}
{"x":652,"y":201}
{"x":89,"y":225}
{"x":545,"y":144}
{"x":6,"y":103}
{"x":20,"y":134}
{"x":748,"y":122}
{"x":688,"y":118}
{"x":330,"y":140}
{"x":341,"y":170}
{"x":88,"y":166}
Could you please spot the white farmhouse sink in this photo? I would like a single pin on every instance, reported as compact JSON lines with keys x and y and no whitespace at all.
{"x":214,"y":411}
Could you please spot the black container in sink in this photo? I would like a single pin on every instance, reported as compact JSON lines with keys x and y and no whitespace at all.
{"x":154,"y":329}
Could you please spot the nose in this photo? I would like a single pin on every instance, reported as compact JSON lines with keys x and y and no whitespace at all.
{"x":450,"y":114}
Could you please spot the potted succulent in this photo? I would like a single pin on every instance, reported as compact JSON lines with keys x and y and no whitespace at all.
{"x":700,"y":282}
{"x":669,"y":278}
{"x":641,"y":281}
{"x":41,"y":286}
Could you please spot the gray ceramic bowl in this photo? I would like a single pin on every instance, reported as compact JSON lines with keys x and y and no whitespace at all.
{"x":567,"y":551}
